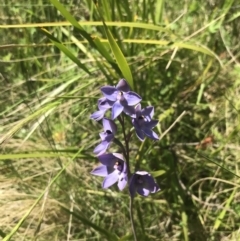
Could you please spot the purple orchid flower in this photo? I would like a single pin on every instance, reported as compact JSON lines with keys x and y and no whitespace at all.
{"x":143,"y":183}
{"x":107,"y":136}
{"x":143,"y":123}
{"x":103,"y":105}
{"x":113,"y":168}
{"x":123,"y":98}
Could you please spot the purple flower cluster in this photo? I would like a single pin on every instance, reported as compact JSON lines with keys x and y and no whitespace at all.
{"x":114,"y":167}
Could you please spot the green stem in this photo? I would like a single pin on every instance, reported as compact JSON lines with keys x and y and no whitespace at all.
{"x":131,"y":218}
{"x":126,"y":140}
{"x":127,"y":150}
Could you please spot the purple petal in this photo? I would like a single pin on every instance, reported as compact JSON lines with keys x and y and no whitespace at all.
{"x":143,"y":185}
{"x":122,"y":183}
{"x":98,"y":115}
{"x":148,"y":112}
{"x":110,"y":179}
{"x":151,"y":134}
{"x":119,"y":156}
{"x":136,"y":124}
{"x":104,"y":104}
{"x":132,"y":185}
{"x":123,"y":85}
{"x":138,"y":108}
{"x":101,"y":148}
{"x":130,"y":110}
{"x":109,"y":125}
{"x":132,"y":98}
{"x":143,"y":191}
{"x":116,"y":110}
{"x":140,"y":134}
{"x":108,"y":159}
{"x":103,"y":135}
{"x":110,"y":92}
{"x":156,"y":188}
{"x":150,"y":184}
{"x":150,"y":124}
{"x":101,"y":171}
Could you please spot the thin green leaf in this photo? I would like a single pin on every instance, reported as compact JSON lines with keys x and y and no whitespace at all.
{"x":159,"y":11}
{"x":185,"y":225}
{"x":146,"y":26}
{"x":34,"y":155}
{"x":158,"y":173}
{"x":102,"y":49}
{"x":222,"y":214}
{"x":217,"y":163}
{"x":121,"y":61}
{"x":65,"y":50}
{"x":126,"y":237}
{"x":87,"y":36}
{"x":66,"y":14}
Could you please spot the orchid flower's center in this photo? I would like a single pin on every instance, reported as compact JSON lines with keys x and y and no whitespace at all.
{"x":108,"y":132}
{"x":141,"y":119}
{"x":118,"y":166}
{"x":103,"y":103}
{"x":120,"y":96}
{"x":139,"y":180}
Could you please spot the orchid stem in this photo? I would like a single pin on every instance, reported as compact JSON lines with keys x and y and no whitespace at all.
{"x":126,"y":140}
{"x":131,"y":218}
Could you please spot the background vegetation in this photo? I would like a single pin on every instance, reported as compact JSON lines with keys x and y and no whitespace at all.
{"x":184,"y":57}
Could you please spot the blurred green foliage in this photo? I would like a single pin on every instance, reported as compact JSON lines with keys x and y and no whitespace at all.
{"x":183,"y":56}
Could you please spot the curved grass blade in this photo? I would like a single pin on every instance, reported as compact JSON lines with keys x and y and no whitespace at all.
{"x":126,"y":237}
{"x":19,"y":124}
{"x":121,"y":61}
{"x":65,"y":50}
{"x":87,"y":36}
{"x":158,"y":173}
{"x":185,"y":45}
{"x":217,"y":164}
{"x":219,"y":219}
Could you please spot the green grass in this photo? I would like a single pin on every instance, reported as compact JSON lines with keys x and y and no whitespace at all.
{"x":184,"y":60}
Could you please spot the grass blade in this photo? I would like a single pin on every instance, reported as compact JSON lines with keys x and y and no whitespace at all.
{"x":87,"y":36}
{"x":65,"y":50}
{"x":222,"y":214}
{"x":121,"y":61}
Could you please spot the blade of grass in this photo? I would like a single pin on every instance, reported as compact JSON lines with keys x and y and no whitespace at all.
{"x":201,"y":81}
{"x":222,"y":214}
{"x":216,"y":163}
{"x":87,"y":36}
{"x":159,"y":11}
{"x":121,"y":61}
{"x":18,"y":125}
{"x":65,"y":50}
{"x":35,"y":155}
{"x":185,"y":225}
{"x":158,"y":173}
{"x":145,"y":26}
